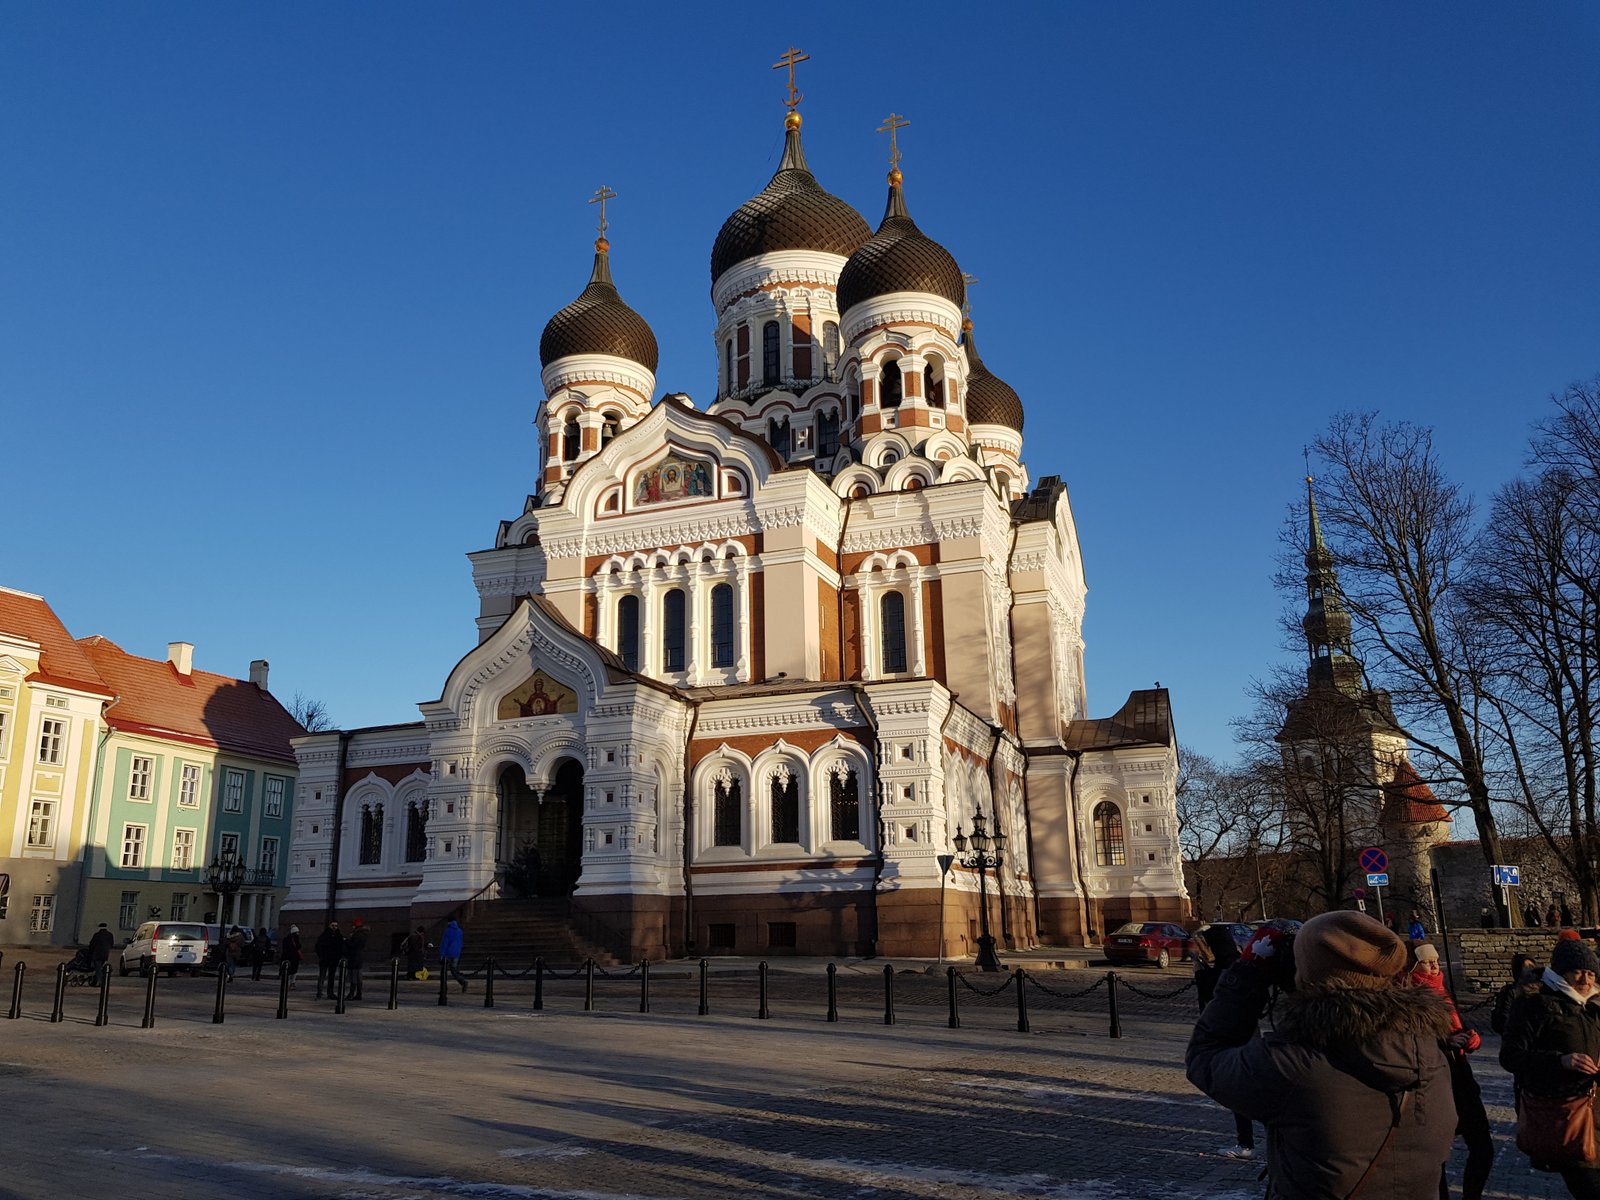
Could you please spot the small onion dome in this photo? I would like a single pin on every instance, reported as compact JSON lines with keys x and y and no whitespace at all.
{"x":990,"y":401}
{"x":792,"y":212}
{"x":598,"y":322}
{"x":899,"y":258}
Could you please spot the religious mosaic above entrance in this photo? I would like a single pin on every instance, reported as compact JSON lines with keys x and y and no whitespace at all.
{"x":670,"y":479}
{"x":538,"y":697}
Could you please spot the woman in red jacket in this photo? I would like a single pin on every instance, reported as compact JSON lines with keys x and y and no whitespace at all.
{"x":1472,"y":1122}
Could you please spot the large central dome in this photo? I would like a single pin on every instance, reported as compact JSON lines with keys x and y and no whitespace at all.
{"x":792,"y":212}
{"x":900,"y":258}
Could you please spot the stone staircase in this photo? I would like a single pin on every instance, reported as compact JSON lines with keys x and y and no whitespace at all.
{"x":514,"y":931}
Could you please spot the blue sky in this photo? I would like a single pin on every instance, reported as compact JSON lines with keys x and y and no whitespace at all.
{"x":274,"y":278}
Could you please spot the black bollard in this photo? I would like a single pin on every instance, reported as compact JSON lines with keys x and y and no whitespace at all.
{"x":217,"y":1013}
{"x":538,"y":983}
{"x":149,"y":1021}
{"x":340,"y":983}
{"x":1022,"y":1001}
{"x":61,"y":994}
{"x":588,"y":985}
{"x":833,"y":992}
{"x":102,"y":1012}
{"x":955,"y":1013}
{"x":16,"y":991}
{"x":888,"y":994}
{"x":1111,"y":989}
{"x":762,"y":1014}
{"x":488,"y":983}
{"x":394,"y":984}
{"x":283,"y":992}
{"x":644,"y":985}
{"x":705,"y":988}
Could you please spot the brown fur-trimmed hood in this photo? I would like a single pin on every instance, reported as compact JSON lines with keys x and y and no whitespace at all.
{"x":1334,"y":1018}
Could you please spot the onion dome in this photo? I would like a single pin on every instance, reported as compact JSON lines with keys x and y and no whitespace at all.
{"x":899,"y":258}
{"x":792,"y":212}
{"x":990,"y":400}
{"x":598,"y":322}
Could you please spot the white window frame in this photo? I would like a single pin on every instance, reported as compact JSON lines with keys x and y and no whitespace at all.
{"x":133,"y":845}
{"x":128,"y":912}
{"x":178,"y":910}
{"x":227,"y":842}
{"x":41,"y":812}
{"x":272,"y":796}
{"x":52,"y":741}
{"x":183,"y":849}
{"x":189,"y":778}
{"x":5,"y":723}
{"x":139,"y":780}
{"x":232,"y":798}
{"x":42,"y":916}
{"x":268,"y":860}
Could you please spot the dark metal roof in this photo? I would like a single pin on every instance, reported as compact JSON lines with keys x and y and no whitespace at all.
{"x":899,"y":258}
{"x":1145,"y":720}
{"x":598,"y":322}
{"x":792,"y":212}
{"x":990,"y":400}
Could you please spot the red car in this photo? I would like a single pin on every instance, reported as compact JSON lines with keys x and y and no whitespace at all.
{"x":1147,"y":941}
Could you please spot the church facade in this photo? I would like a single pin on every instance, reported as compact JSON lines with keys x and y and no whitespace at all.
{"x":745,"y":670}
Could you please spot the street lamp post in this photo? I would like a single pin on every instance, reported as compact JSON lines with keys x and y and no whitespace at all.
{"x":1254,"y":846}
{"x":987,"y":852}
{"x":226,"y":876}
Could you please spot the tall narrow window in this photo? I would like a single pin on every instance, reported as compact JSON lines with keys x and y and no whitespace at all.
{"x":892,"y":611}
{"x":628,"y":631}
{"x":844,"y":806}
{"x":269,"y":856}
{"x":727,"y":366}
{"x":133,"y":846}
{"x":178,"y":910}
{"x":571,"y":441}
{"x":722,"y":625}
{"x":769,"y":354}
{"x":371,"y":834}
{"x":830,"y":349}
{"x":128,"y":912}
{"x":828,"y":434}
{"x":890,"y":385}
{"x":52,"y":737}
{"x":727,"y":811}
{"x":183,"y":849}
{"x":785,"y":806}
{"x":416,"y":831}
{"x":140,"y":771}
{"x":778,"y":434}
{"x":233,"y":791}
{"x":673,"y":632}
{"x":932,"y":388}
{"x":1109,"y":849}
{"x":272,"y":797}
{"x":41,"y":822}
{"x":189,"y":787}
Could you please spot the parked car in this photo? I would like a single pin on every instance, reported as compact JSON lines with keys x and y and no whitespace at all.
{"x":1147,"y":941}
{"x":172,"y":945}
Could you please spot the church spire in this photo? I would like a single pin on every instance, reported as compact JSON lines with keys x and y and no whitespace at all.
{"x":1327,"y":622}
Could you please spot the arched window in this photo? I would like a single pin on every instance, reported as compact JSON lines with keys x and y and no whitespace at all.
{"x":628,"y":631}
{"x":828,"y":434}
{"x":932,"y":387}
{"x":673,"y":632}
{"x":889,"y":385}
{"x":727,"y":365}
{"x":1109,"y":848}
{"x":571,"y":441}
{"x":892,"y":620}
{"x":416,"y":831}
{"x":830,"y":349}
{"x":785,"y":806}
{"x":371,"y":834}
{"x":727,"y":812}
{"x":855,"y":400}
{"x":844,"y":805}
{"x":778,"y":434}
{"x":613,"y":423}
{"x":769,"y":354}
{"x":1002,"y":483}
{"x":722,"y":625}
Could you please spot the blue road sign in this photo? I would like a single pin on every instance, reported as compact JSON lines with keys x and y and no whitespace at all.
{"x":1374,"y":859}
{"x":1377,"y":879}
{"x":1507,"y":876}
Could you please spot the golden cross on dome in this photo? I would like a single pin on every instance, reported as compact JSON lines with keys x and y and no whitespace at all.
{"x":894,"y":123}
{"x":602,"y":194}
{"x":966,"y":299}
{"x":791,"y":57}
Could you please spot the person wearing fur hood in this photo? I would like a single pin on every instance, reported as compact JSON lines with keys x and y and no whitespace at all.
{"x":1352,"y":1084}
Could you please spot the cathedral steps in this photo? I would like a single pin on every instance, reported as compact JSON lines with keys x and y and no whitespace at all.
{"x":513,"y":932}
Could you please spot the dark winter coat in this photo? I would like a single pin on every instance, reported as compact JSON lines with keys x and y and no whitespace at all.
{"x":355,"y":949}
{"x":1544,"y":1025}
{"x":452,"y":941}
{"x":100,"y":946}
{"x":329,"y":947}
{"x":1325,"y":1081}
{"x":291,"y":951}
{"x":1500,"y":1014}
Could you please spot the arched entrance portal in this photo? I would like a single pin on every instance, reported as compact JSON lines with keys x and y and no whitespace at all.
{"x":541,"y":837}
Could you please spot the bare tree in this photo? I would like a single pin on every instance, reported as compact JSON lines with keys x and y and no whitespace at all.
{"x":311,"y":713}
{"x":1222,"y":811}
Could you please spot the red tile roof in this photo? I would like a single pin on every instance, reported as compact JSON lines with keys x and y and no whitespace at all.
{"x":200,"y":708}
{"x":1409,"y":801}
{"x":61,"y":661}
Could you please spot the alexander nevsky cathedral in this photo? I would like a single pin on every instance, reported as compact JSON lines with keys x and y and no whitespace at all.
{"x":764,"y":672}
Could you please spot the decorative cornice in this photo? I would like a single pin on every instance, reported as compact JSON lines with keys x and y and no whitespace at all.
{"x":891,"y":537}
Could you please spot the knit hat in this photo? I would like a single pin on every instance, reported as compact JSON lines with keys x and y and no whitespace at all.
{"x":1426,"y":953}
{"x":1347,"y":950}
{"x":1573,"y":954}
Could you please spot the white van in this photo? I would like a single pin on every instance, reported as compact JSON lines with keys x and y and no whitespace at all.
{"x":169,"y":944}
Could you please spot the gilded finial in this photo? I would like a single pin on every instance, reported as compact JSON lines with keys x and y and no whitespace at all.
{"x":894,"y":123}
{"x":791,"y":57}
{"x":601,"y":195}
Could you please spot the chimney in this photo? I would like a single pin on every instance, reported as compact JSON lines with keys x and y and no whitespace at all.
{"x":258,"y":673}
{"x":181,"y":656}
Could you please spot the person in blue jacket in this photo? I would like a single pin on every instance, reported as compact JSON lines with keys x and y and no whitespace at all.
{"x":450,"y":947}
{"x":1415,"y":931}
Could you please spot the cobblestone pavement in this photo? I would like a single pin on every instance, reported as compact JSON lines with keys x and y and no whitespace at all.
{"x":463,"y":1101}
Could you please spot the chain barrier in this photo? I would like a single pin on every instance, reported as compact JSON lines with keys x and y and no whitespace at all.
{"x":1060,"y":995}
{"x":1139,"y":991}
{"x":1005,"y":982}
{"x":605,"y":974}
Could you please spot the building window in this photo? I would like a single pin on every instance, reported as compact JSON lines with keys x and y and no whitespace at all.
{"x":269,"y":855}
{"x":228,"y":844}
{"x":272,"y":802}
{"x":52,"y":741}
{"x":781,"y":935}
{"x":892,"y":614}
{"x":785,"y":806}
{"x":371,"y":834}
{"x":178,"y":910}
{"x":830,"y":349}
{"x":416,"y":831}
{"x":722,"y":625}
{"x":140,"y":769}
{"x":133,"y":846}
{"x":727,"y":365}
{"x":890,"y":385}
{"x":769,"y":354}
{"x":182,"y":849}
{"x":571,"y":441}
{"x":42,"y":916}
{"x":778,"y":435}
{"x":3,"y":716}
{"x":828,"y":434}
{"x":233,"y":792}
{"x":932,"y":388}
{"x":844,"y":806}
{"x":42,"y":823}
{"x":673,"y":631}
{"x":628,"y":631}
{"x":720,"y":936}
{"x":1109,"y":848}
{"x":727,"y":813}
{"x":189,"y":786}
{"x":128,"y":912}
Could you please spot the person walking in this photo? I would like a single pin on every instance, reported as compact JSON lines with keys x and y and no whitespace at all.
{"x":259,"y":948}
{"x":330,"y":953}
{"x":1552,"y":1049}
{"x":355,"y":956}
{"x":232,"y":948}
{"x":416,"y":951}
{"x":1416,"y":931}
{"x":1524,"y":976}
{"x":290,"y":952}
{"x":1472,"y":1121}
{"x":450,"y":946}
{"x":1352,"y":1084}
{"x":1215,"y":951}
{"x":100,"y":946}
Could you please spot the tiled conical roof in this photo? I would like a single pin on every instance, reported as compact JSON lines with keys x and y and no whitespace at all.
{"x":598,"y":322}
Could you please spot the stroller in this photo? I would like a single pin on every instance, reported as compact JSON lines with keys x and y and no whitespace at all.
{"x":81,"y":971}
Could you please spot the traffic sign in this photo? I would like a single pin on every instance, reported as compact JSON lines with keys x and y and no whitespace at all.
{"x":1377,"y":879}
{"x":1374,"y":859}
{"x":1507,"y":876}
{"x":1361,"y":906}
